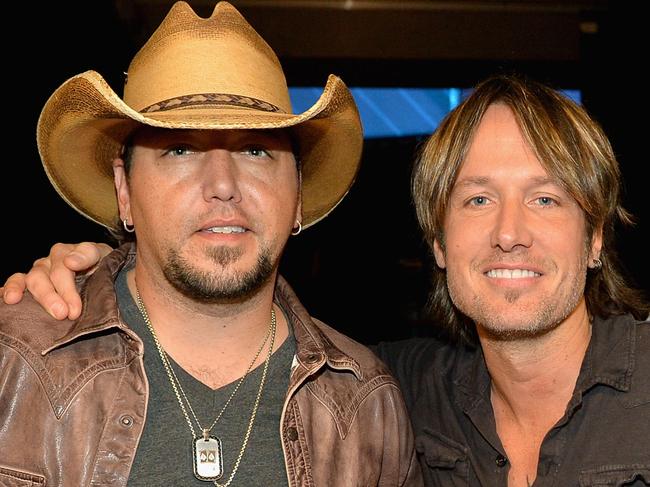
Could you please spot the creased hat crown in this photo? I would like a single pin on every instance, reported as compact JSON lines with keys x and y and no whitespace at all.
{"x":189,"y":55}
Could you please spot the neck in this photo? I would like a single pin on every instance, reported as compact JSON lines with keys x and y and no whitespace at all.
{"x":532,"y":381}
{"x":213,"y":342}
{"x":536,"y":377}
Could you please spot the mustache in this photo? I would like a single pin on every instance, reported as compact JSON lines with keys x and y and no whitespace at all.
{"x":222,"y":212}
{"x":516,"y":257}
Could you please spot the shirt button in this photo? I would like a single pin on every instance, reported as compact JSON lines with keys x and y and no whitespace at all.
{"x":500,"y":460}
{"x":126,"y":420}
{"x":292,"y":433}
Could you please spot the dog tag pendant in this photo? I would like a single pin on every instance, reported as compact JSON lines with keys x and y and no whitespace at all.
{"x":208,"y":461}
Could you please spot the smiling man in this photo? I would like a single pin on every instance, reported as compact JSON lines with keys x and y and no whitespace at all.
{"x":546,"y":378}
{"x":503,"y":202}
{"x":193,"y":362}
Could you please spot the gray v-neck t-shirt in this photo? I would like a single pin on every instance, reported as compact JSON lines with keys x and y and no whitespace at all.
{"x":164,"y":454}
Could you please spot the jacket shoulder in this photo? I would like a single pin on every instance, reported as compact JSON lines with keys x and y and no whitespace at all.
{"x":28,"y":325}
{"x":26,"y":331}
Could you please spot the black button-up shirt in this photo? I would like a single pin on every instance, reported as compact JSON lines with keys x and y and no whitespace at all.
{"x":603,"y":439}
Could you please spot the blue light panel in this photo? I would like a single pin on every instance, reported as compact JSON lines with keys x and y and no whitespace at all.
{"x":397,"y":112}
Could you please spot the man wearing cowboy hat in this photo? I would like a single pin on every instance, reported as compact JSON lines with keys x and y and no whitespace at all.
{"x":193,"y":361}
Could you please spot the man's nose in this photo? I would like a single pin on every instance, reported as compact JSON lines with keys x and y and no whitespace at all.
{"x":220,"y":176}
{"x":511,"y":227}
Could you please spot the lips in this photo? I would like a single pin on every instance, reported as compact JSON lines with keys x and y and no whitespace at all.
{"x":224,"y":226}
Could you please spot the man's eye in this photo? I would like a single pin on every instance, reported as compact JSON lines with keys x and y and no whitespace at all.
{"x":180,"y":150}
{"x":257,"y":151}
{"x":546,"y":201}
{"x":479,"y":201}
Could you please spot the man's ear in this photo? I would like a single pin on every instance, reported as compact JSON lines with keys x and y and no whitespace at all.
{"x":439,"y":254}
{"x":122,"y":190}
{"x":596,"y":245}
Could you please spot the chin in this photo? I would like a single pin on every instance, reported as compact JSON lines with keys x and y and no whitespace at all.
{"x":225,"y":278}
{"x":504,"y":326}
{"x":515,"y":332}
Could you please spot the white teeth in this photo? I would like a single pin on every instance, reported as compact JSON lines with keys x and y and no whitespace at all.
{"x":226,"y":229}
{"x":512,"y":273}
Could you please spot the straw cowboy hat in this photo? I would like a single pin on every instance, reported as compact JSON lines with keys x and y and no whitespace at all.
{"x":195,"y":73}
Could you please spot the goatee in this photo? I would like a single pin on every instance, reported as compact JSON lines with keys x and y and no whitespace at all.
{"x":213,"y":287}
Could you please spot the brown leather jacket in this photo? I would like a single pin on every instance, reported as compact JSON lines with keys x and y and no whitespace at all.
{"x":73,"y":398}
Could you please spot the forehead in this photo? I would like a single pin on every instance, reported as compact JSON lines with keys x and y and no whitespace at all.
{"x":498,"y":149}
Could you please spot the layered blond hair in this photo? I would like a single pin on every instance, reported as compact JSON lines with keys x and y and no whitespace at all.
{"x":572,"y":148}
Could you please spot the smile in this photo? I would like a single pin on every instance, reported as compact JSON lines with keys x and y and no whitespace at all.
{"x":511,"y":273}
{"x":225,"y":229}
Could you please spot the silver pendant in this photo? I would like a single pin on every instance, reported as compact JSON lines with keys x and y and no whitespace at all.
{"x":208,"y":460}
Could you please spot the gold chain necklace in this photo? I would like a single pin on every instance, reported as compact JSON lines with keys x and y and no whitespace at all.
{"x":206,"y":450}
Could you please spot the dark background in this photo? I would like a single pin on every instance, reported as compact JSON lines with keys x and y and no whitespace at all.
{"x":364,"y":268}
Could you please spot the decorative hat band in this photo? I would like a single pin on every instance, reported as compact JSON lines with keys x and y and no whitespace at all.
{"x":211,"y":99}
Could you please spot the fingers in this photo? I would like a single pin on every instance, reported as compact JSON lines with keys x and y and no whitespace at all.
{"x":84,"y":256}
{"x":66,"y":261}
{"x":39,"y":283}
{"x":14,"y":288}
{"x":51,"y":280}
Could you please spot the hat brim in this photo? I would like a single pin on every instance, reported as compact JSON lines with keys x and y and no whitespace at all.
{"x":84,"y":125}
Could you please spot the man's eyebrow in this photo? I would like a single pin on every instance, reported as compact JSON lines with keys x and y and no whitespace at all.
{"x":481,"y":180}
{"x":471,"y":181}
{"x":542,"y":180}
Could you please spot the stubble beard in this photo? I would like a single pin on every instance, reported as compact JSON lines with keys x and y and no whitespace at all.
{"x":217,"y":286}
{"x":549,"y":312}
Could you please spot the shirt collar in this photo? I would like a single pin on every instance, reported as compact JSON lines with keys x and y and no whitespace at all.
{"x":102,"y":313}
{"x":313,"y":347}
{"x":610,"y":357}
